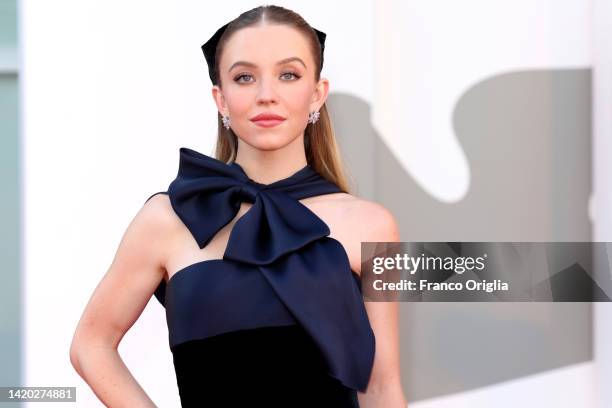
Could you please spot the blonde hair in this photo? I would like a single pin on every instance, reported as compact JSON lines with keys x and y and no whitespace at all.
{"x":322,"y":151}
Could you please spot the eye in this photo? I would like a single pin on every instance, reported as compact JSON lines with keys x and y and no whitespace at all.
{"x":240,"y":76}
{"x":291,"y":73}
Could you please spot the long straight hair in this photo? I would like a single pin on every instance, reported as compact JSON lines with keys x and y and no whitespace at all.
{"x":322,"y":151}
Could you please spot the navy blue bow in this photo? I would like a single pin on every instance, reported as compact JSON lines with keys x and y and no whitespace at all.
{"x":207,"y":194}
{"x":289,"y":244}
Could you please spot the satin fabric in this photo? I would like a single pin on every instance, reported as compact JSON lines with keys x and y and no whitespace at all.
{"x":278,"y":252}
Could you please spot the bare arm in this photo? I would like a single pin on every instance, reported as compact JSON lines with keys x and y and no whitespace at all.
{"x":384,"y":388}
{"x":116,"y":304}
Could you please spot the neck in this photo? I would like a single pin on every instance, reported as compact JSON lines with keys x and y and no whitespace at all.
{"x":268,"y":166}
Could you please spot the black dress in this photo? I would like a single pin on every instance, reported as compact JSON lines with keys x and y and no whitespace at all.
{"x":280,"y":320}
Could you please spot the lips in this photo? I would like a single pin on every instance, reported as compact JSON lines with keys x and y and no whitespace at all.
{"x":267,"y":119}
{"x":266,"y":116}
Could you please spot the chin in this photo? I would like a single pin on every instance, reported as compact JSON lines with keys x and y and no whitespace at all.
{"x":267,"y":142}
{"x":267,"y":138}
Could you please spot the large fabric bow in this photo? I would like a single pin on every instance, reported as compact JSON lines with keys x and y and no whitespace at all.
{"x":289,"y":245}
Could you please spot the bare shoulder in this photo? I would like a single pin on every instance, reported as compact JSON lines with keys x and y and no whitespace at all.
{"x":375,"y":223}
{"x":353,"y":220}
{"x":157,"y":224}
{"x":158,"y":214}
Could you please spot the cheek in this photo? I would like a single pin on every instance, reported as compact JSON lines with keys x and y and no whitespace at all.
{"x":239,"y":102}
{"x":299,"y":100}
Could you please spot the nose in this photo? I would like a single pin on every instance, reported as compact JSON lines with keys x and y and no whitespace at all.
{"x":266,"y":92}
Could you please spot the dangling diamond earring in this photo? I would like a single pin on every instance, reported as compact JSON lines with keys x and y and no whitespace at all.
{"x":313,"y":117}
{"x":226,"y":122}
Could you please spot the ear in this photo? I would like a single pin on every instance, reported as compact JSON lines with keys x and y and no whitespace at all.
{"x":319,"y":96}
{"x":219,"y":100}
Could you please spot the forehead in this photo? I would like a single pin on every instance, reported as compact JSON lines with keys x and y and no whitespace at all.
{"x":265,"y":45}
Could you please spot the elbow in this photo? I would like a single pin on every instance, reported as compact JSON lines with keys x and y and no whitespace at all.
{"x":74,"y":358}
{"x":385,"y":384}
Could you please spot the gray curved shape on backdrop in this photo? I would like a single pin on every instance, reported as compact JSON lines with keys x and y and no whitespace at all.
{"x":527,"y":139}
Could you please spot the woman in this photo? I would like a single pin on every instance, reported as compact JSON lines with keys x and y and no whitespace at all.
{"x":255,"y":253}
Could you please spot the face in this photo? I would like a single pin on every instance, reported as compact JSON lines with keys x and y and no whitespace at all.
{"x":268,"y":70}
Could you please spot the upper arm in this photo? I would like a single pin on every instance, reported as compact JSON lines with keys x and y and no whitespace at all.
{"x":383,"y":316}
{"x":134,"y":274}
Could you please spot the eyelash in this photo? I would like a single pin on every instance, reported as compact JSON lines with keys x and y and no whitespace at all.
{"x":249,"y":75}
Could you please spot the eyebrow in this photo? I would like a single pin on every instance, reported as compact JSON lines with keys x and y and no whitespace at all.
{"x":252,"y":65}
